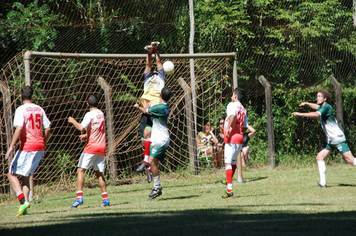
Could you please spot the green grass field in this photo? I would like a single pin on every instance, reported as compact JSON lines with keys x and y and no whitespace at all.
{"x":283,"y":201}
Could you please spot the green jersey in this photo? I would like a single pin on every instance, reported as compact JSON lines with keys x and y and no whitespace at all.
{"x":159,"y":114}
{"x":334,"y":135}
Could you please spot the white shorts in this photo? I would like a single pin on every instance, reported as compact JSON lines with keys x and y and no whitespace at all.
{"x":25,"y":163}
{"x":231,"y":150}
{"x":86,"y":160}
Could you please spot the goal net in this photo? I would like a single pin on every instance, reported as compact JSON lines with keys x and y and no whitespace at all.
{"x":62,"y":85}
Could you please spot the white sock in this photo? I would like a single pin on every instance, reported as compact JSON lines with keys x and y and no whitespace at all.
{"x":146,"y":158}
{"x":354,"y":161}
{"x":156,"y":182}
{"x":229,"y":186}
{"x":322,"y":172}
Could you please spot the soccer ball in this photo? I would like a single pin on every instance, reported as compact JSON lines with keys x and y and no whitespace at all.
{"x":168,"y":67}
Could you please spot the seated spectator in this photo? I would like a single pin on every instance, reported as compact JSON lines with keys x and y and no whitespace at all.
{"x":206,"y":140}
{"x":219,"y":147}
{"x":245,"y":156}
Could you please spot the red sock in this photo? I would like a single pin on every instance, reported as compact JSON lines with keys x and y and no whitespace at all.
{"x":104,"y":196}
{"x":228,"y":176}
{"x":147,"y":149}
{"x":79,"y":195}
{"x":21,"y":197}
{"x":233,"y":170}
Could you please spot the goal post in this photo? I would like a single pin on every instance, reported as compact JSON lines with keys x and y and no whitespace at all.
{"x":62,"y":82}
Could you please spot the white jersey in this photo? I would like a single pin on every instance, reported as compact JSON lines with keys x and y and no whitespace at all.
{"x":31,"y":118}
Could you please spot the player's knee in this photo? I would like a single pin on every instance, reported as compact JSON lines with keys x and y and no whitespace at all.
{"x":80,"y":170}
{"x":147,"y":133}
{"x":98,"y":174}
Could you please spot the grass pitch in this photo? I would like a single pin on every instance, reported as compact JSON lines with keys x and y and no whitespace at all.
{"x":284,"y":201}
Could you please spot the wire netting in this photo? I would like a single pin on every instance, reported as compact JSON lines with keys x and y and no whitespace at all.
{"x":62,"y":87}
{"x":295,"y":44}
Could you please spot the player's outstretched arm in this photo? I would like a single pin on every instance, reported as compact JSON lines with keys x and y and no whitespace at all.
{"x":148,"y":63}
{"x":158,"y":60}
{"x":307,"y":114}
{"x":13,"y":141}
{"x":309,"y":104}
{"x":143,"y":110}
{"x":76,"y":124}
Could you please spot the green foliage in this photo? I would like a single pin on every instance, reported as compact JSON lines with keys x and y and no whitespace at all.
{"x":30,"y":25}
{"x":65,"y":163}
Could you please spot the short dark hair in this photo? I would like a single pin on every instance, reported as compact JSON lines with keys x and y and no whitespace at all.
{"x":93,"y":100}
{"x":240,"y":94}
{"x":326,"y":94}
{"x":166,"y":93}
{"x":27,"y":93}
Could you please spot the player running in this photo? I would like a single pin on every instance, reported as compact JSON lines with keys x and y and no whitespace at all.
{"x":159,"y":138}
{"x":94,"y":151}
{"x":154,"y":82}
{"x":335,"y":137}
{"x":29,"y":119}
{"x":234,"y":127}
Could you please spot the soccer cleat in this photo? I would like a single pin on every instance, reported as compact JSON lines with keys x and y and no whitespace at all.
{"x":321,"y":186}
{"x":156,"y":192}
{"x":223,"y":181}
{"x":142,"y":167}
{"x":105,"y":203}
{"x":228,"y":194}
{"x":23,"y":208}
{"x":149,"y":176}
{"x":155,"y":45}
{"x":77,"y":202}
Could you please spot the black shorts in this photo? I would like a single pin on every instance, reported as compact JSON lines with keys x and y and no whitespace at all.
{"x":146,"y":120}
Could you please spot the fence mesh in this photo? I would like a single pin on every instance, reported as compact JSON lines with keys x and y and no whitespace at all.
{"x":295,"y":44}
{"x":62,"y":87}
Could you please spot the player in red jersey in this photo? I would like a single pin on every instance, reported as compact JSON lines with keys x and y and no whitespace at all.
{"x":29,"y":119}
{"x":234,"y":127}
{"x":94,"y":151}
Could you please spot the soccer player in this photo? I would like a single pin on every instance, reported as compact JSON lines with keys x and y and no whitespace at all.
{"x":159,"y":138}
{"x":335,"y":137}
{"x":234,"y":127}
{"x":154,"y":82}
{"x":29,"y":119}
{"x":94,"y":151}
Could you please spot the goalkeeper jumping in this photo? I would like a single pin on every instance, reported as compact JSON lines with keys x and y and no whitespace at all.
{"x":154,"y":82}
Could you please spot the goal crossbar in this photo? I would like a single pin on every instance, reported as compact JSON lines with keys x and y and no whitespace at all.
{"x":29,"y":54}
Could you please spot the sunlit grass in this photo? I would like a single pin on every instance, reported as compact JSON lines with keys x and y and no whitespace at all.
{"x":283,"y":201}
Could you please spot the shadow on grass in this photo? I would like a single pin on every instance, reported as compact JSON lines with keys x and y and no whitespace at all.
{"x":347,"y":185}
{"x":254,"y":179}
{"x":195,"y":222}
